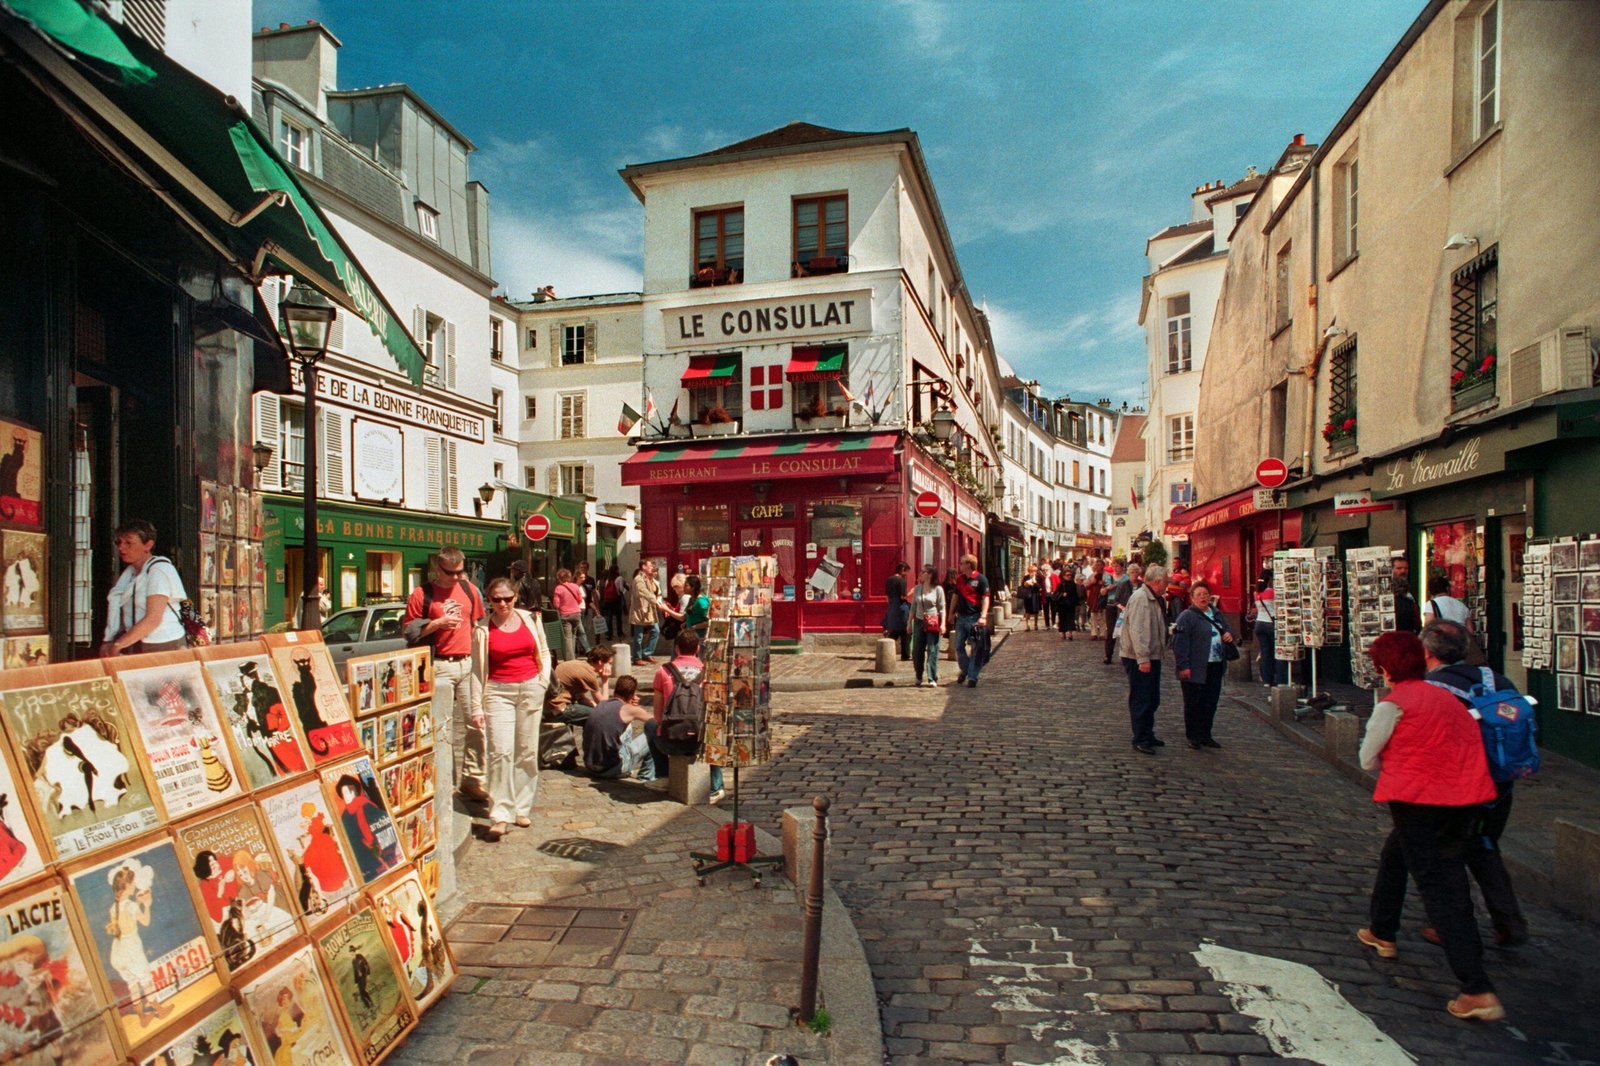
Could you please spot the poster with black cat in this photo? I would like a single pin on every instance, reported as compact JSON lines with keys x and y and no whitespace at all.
{"x":21,"y":485}
{"x":316,"y":695}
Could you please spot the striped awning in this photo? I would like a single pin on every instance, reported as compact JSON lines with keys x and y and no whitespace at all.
{"x":759,"y":459}
{"x":817,"y":364}
{"x":709,"y":371}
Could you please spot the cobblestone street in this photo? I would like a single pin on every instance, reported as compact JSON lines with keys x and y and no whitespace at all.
{"x":1031,"y":890}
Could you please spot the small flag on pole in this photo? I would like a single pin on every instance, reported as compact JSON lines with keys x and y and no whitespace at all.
{"x":649,"y":403}
{"x":629,"y":419}
{"x":672,"y":419}
{"x":869,"y":396}
{"x":1134,"y":496}
{"x":849,"y":397}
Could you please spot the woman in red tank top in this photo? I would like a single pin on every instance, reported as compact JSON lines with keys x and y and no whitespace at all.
{"x":510,"y":660}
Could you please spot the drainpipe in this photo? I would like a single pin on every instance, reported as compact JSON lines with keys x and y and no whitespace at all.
{"x":1314,"y":357}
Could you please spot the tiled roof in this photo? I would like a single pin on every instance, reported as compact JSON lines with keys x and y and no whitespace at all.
{"x":1184,"y":230}
{"x":1238,"y":188}
{"x":1129,"y":447}
{"x":795,"y":133}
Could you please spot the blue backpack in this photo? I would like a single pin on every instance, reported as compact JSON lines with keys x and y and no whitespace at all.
{"x":1510,"y":731}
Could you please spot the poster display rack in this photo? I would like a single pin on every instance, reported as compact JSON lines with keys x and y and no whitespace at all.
{"x":1369,"y":574}
{"x":1561,"y":618}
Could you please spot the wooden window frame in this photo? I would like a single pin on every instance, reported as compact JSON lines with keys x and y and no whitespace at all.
{"x":576,"y":417}
{"x":1185,"y":363}
{"x":726,"y":273}
{"x":802,"y":264}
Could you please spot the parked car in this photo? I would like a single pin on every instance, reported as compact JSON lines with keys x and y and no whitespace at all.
{"x":365,"y":630}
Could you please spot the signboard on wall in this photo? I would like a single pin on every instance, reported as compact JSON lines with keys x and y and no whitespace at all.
{"x":790,"y":318}
{"x":925,"y":527}
{"x":377,"y":461}
{"x":367,"y":397}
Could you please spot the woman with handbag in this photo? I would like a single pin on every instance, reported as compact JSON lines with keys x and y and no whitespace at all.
{"x":927,"y":623}
{"x":570,"y":600}
{"x":512,"y":665}
{"x":1204,"y":644}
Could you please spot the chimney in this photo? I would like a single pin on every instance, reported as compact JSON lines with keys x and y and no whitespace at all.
{"x":303,"y":59}
{"x":544,"y":295}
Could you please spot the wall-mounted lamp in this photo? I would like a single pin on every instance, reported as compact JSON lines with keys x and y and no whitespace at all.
{"x":1458,"y":240}
{"x":486,"y":493}
{"x":260,"y":455}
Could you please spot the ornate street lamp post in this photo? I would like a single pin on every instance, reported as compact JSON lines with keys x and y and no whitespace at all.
{"x":307,"y":320}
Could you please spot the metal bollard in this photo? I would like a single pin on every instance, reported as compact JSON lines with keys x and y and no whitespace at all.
{"x":813,"y":931}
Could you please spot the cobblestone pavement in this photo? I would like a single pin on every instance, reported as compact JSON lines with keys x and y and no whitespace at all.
{"x":1031,"y":890}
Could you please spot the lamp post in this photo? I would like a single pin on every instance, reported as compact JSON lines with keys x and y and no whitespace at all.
{"x":307,"y":320}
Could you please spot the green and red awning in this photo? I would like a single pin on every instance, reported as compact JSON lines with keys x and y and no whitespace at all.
{"x":710,"y":371}
{"x":760,"y":459}
{"x":817,"y":363}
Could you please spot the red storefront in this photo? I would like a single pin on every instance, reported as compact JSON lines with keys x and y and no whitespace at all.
{"x":1229,"y":541}
{"x":834,"y":509}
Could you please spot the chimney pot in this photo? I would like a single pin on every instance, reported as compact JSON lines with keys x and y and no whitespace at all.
{"x":1299,"y":140}
{"x":283,"y":25}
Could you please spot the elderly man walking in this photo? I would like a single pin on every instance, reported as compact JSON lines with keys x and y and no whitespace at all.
{"x":1142,"y":645}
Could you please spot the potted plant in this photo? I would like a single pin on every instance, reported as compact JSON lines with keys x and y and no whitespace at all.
{"x":1340,"y":430}
{"x":1474,"y":384}
{"x":715,"y":421}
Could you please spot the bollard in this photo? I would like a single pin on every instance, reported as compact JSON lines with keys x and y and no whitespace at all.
{"x":621,"y":659}
{"x":813,"y":933}
{"x":888,"y":657}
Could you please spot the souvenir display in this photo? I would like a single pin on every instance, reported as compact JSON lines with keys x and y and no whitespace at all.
{"x":191,"y":764}
{"x":22,"y":570}
{"x":291,"y":1014}
{"x":45,"y":987}
{"x":21,"y":483}
{"x":208,"y":506}
{"x":317,"y":696}
{"x":366,"y":985}
{"x":74,"y":745}
{"x":1369,"y":577}
{"x":20,"y":855}
{"x":428,"y":870}
{"x":258,"y":717}
{"x":225,"y":511}
{"x":242,"y":890}
{"x":419,"y":944}
{"x":736,"y":650}
{"x":147,"y":938}
{"x":369,"y":831}
{"x":1538,"y":648}
{"x":93,"y":1043}
{"x":217,"y":1039}
{"x":319,"y":875}
{"x":21,"y":652}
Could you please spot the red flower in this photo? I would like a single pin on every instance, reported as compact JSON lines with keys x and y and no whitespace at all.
{"x":1487,"y":365}
{"x":1349,"y":424}
{"x":1455,"y":379}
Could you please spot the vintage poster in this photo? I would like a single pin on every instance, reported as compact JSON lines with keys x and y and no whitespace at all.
{"x":319,"y":875}
{"x":388,"y":737}
{"x":22,"y":652}
{"x":90,"y":1044}
{"x":316,"y":695}
{"x":369,"y":832}
{"x":225,"y":520}
{"x":21,"y":486}
{"x":191,"y":764}
{"x":208,"y":506}
{"x":45,"y":987}
{"x":258,"y":717}
{"x":293,"y":1016}
{"x":74,"y":747}
{"x":363,"y":687}
{"x":147,"y":938}
{"x":366,"y":984}
{"x":22,"y":577}
{"x":20,"y":856}
{"x":418,"y":942}
{"x":242,"y":890}
{"x":218,"y":1039}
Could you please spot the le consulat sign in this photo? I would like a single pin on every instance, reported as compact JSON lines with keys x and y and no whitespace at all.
{"x":810,"y":316}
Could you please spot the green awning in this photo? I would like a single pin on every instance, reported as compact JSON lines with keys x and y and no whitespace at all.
{"x":817,"y":364}
{"x":216,"y":169}
{"x":709,"y":371}
{"x":566,"y":516}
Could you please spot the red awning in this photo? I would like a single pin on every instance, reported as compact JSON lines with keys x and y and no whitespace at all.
{"x":1218,"y":512}
{"x":709,"y":371}
{"x":744,"y":459}
{"x":817,"y":364}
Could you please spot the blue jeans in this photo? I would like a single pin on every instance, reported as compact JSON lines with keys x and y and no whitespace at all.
{"x":636,"y":755}
{"x":925,"y":650}
{"x":644,"y":639}
{"x":1144,"y":696}
{"x":965,"y":662}
{"x":1265,"y":635}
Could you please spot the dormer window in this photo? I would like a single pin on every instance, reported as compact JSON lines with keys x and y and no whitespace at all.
{"x":427,"y":222}
{"x":294,"y":144}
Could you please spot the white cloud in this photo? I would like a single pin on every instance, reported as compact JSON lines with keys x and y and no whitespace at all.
{"x":1093,"y":353}
{"x":530,"y":253}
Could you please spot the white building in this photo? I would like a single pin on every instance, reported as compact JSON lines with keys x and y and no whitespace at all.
{"x":1187,"y":263}
{"x":1031,"y":469}
{"x":1128,"y":513}
{"x":1085,"y":433}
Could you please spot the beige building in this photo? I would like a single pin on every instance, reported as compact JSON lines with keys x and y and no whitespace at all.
{"x":1409,"y":321}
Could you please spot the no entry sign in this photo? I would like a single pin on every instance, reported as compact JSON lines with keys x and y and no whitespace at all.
{"x":927,"y":504}
{"x":1270,"y":473}
{"x":537,"y":527}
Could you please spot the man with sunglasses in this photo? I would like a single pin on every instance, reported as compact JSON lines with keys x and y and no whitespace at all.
{"x":441,"y":614}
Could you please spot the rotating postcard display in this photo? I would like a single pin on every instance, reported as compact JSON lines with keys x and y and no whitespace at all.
{"x":194,"y":866}
{"x":1538,"y":644}
{"x":1369,"y":576}
{"x":735,"y":650}
{"x":1569,"y":590}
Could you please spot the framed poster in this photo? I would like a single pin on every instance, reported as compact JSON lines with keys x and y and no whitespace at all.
{"x":22,"y":652}
{"x":227,"y":559}
{"x":389,"y":737}
{"x":368,"y":830}
{"x":258,"y":517}
{"x":291,"y":1016}
{"x":253,"y":705}
{"x":74,"y":747}
{"x":213,"y":1036}
{"x":413,"y":928}
{"x":208,"y":558}
{"x":377,"y":463}
{"x":208,"y":506}
{"x":317,"y":696}
{"x":366,"y":985}
{"x":225,"y":520}
{"x":241,"y":614}
{"x":47,"y":988}
{"x":223,"y":621}
{"x":363,"y":685}
{"x":22,"y":570}
{"x":190,"y":761}
{"x":243,"y":894}
{"x":20,"y":855}
{"x":21,"y":486}
{"x":94,"y":1043}
{"x":313,"y":860}
{"x":147,"y":939}
{"x":428,"y":870}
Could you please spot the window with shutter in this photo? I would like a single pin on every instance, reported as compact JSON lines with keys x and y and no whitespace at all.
{"x":555,"y":345}
{"x":554,"y":479}
{"x":432,"y":452}
{"x":451,"y":491}
{"x":570,"y":420}
{"x":336,"y":332}
{"x":588,"y":478}
{"x":268,"y":429}
{"x":419,"y":329}
{"x":450,"y":355}
{"x":530,"y":478}
{"x":331,"y":467}
{"x":591,"y":341}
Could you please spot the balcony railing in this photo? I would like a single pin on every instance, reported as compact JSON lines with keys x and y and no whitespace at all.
{"x":1180,"y":455}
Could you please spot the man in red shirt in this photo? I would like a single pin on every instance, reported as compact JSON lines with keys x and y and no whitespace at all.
{"x":441,"y":615}
{"x":687,"y":662}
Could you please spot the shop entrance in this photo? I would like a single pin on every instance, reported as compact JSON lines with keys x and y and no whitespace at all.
{"x":1508,"y":538}
{"x":778,"y":542}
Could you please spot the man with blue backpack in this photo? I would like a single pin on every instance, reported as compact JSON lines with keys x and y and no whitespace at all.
{"x":1509,"y":728}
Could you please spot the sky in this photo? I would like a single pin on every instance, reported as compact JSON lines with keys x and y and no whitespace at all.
{"x":1060,"y":135}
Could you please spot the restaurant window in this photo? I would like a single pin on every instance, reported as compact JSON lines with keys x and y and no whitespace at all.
{"x":1474,"y":315}
{"x":1178,"y":330}
{"x":728,"y":397}
{"x":718,"y":246}
{"x":824,"y":397}
{"x":835,"y":533}
{"x":703,"y":527}
{"x":821,"y":235}
{"x":766,"y":387}
{"x":385,"y":576}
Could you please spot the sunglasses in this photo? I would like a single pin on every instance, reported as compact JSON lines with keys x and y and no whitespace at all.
{"x":502,"y":599}
{"x":452,"y":573}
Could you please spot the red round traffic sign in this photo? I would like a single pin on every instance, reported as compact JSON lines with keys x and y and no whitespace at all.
{"x":537,"y":527}
{"x":927,"y":504}
{"x":1270,"y":473}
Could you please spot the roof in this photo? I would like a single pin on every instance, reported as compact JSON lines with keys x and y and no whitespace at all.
{"x":794,"y":139}
{"x":402,"y":89}
{"x":795,"y":133}
{"x":1238,"y":188}
{"x":1181,"y":231}
{"x":605,"y":299}
{"x":1201,"y":251}
{"x":1129,"y":447}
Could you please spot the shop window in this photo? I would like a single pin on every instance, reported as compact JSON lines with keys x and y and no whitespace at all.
{"x":835,"y":535}
{"x":1452,"y":556}
{"x":766,"y":387}
{"x":385,"y":575}
{"x":703,"y":527}
{"x":1474,"y":329}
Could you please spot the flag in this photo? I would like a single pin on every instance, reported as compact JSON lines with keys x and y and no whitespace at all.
{"x":847,"y":395}
{"x":869,"y":395}
{"x":673,"y":418}
{"x":1134,"y":496}
{"x":649,"y":403}
{"x":629,"y":419}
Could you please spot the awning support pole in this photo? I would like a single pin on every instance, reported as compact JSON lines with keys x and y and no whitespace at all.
{"x":276,"y":198}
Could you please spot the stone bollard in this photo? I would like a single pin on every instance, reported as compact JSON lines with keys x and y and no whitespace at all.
{"x":798,"y":823}
{"x":888,"y":656}
{"x":1284,"y":698}
{"x":1341,"y":734}
{"x":621,"y":660}
{"x":1577,"y":868}
{"x":688,"y":782}
{"x":994,"y":618}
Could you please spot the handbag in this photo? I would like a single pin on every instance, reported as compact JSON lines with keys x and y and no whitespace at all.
{"x":933,"y":622}
{"x":1230,"y":650}
{"x":196,"y":634}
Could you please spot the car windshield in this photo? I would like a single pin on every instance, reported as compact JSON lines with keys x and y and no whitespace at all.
{"x":386,"y":624}
{"x":343,"y":627}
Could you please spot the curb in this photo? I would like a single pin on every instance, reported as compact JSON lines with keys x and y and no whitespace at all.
{"x":845,"y":979}
{"x":870,"y":680}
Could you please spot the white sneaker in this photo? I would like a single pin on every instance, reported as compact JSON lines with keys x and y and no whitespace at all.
{"x":716,"y":797}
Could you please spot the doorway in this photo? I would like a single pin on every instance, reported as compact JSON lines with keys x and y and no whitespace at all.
{"x":1507,"y":540}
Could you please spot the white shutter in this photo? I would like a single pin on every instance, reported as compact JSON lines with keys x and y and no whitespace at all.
{"x":336,"y":332}
{"x":555,"y":344}
{"x":588,"y":479}
{"x":450,"y":355}
{"x":451,"y":496}
{"x":419,"y":329}
{"x":591,"y":341}
{"x":432,"y":450}
{"x":334,"y":480}
{"x":268,"y":429}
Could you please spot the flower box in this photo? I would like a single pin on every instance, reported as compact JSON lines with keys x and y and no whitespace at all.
{"x":1471,"y":392}
{"x":824,"y":422}
{"x":715,"y":429}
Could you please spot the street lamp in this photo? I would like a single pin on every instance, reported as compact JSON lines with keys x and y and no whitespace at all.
{"x":307,"y":320}
{"x":944,"y":424}
{"x":260,"y":455}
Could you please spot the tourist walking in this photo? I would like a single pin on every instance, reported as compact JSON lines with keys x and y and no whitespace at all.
{"x":142,"y":612}
{"x":644,"y":612}
{"x":1030,"y":593}
{"x":512,"y":667}
{"x":927,"y":620}
{"x":1142,"y":645}
{"x":1202,"y":643}
{"x":969,"y":622}
{"x":1266,"y":627}
{"x":1067,"y":596}
{"x":897,"y":610}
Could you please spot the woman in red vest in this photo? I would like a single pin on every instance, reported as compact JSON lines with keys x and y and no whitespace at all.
{"x":1432,"y":773}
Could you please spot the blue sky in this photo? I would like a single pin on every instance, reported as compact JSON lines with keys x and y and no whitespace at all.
{"x":1060,"y":135}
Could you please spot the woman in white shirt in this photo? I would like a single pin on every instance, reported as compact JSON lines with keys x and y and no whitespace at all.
{"x":1442,"y":606}
{"x":143,"y":604}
